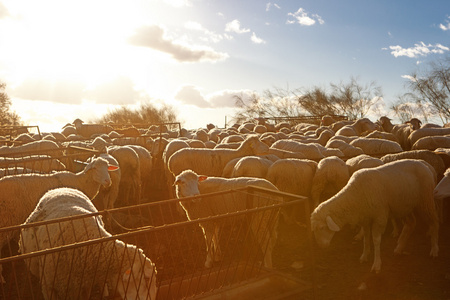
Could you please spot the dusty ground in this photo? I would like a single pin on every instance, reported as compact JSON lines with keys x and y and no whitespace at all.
{"x":338,"y":273}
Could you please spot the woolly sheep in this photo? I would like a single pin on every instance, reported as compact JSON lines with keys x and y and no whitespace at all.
{"x":430,"y":157}
{"x":20,"y":193}
{"x":34,"y":163}
{"x":188,"y":183}
{"x":145,"y":167}
{"x":293,"y":175}
{"x":330,"y":177}
{"x":211,"y":162}
{"x":399,"y":189}
{"x":432,"y":143}
{"x":362,"y":161}
{"x":357,"y":128}
{"x":77,"y":272}
{"x":423,"y":132}
{"x":253,"y":166}
{"x":376,"y":146}
{"x":346,"y":149}
{"x":88,"y":130}
{"x":442,"y":192}
{"x":130,"y":180}
{"x":107,"y":196}
{"x":382,"y":135}
{"x":38,"y":147}
{"x":312,"y":151}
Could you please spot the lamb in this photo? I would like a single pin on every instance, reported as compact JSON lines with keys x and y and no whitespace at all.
{"x":188,"y":183}
{"x":376,"y":146}
{"x":331,"y":176}
{"x":76,"y":273}
{"x":21,"y":193}
{"x":400,"y":189}
{"x":211,"y":162}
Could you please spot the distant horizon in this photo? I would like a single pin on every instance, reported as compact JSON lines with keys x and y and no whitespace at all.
{"x":63,"y":60}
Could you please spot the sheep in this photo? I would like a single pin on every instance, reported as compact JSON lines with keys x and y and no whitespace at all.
{"x":20,"y":193}
{"x":346,"y":149}
{"x":211,"y":162}
{"x":310,"y":151}
{"x":430,"y":157}
{"x":88,"y":130}
{"x":188,"y":183}
{"x":357,"y":128}
{"x":145,"y":167}
{"x":76,"y":273}
{"x":107,"y":196}
{"x":293,"y":175}
{"x":322,"y":139}
{"x":382,"y":135}
{"x":432,"y":142}
{"x":362,"y":161}
{"x":423,"y":132}
{"x":376,"y":146}
{"x":34,"y":163}
{"x":253,"y":166}
{"x":130,"y":180}
{"x":43,"y":147}
{"x":330,"y":177}
{"x":399,"y":189}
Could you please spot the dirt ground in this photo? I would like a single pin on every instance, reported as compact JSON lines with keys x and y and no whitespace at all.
{"x":339,"y":274}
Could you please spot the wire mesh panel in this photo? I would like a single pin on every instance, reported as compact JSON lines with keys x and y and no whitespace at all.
{"x":237,"y":231}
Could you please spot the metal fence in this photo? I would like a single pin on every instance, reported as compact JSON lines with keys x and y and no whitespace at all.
{"x":177,"y":246}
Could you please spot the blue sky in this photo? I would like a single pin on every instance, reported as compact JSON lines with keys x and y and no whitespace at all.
{"x":63,"y":60}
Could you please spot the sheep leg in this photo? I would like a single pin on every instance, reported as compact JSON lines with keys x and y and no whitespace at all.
{"x":408,"y":226}
{"x":2,"y":280}
{"x":377,"y":231}
{"x":433,"y":231}
{"x":366,"y":249}
{"x":209,"y":247}
{"x":215,"y":240}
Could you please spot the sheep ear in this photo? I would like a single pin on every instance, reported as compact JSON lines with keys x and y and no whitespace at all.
{"x":332,"y":225}
{"x":202,"y":178}
{"x":112,"y":168}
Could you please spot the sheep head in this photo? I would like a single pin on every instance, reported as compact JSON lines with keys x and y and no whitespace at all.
{"x":100,"y":168}
{"x":323,"y":229}
{"x":186,"y":183}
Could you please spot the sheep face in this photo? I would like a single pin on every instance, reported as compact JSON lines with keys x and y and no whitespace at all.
{"x":139,"y":281}
{"x":100,"y":169}
{"x":186,"y":184}
{"x":323,"y":230}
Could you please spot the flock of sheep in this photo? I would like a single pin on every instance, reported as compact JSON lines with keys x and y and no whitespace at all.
{"x":353,"y":172}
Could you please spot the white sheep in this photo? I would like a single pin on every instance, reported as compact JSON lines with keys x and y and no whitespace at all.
{"x":21,"y":193}
{"x":145,"y":167}
{"x":263,"y":226}
{"x":172,"y":147}
{"x":347,"y":149}
{"x":362,"y":161}
{"x":89,"y":130}
{"x":442,"y":192}
{"x":107,"y":196}
{"x":423,"y":132}
{"x":432,"y":143}
{"x":33,"y":163}
{"x":376,"y":146}
{"x":76,"y":273}
{"x":253,"y":166}
{"x":399,"y":189}
{"x":211,"y":162}
{"x":357,"y":128}
{"x":330,"y":177}
{"x":42,"y":147}
{"x":310,"y":151}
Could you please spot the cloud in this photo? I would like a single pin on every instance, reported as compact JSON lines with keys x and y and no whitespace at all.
{"x":269,"y":6}
{"x":155,"y":37}
{"x":235,"y":26}
{"x":408,"y":77}
{"x":192,"y":95}
{"x":419,"y":49}
{"x":178,"y":3}
{"x":302,"y":17}
{"x":445,"y":26}
{"x":210,"y":36}
{"x":62,"y":91}
{"x":256,"y":39}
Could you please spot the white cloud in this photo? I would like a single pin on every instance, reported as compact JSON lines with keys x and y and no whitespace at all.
{"x":155,"y":37}
{"x":256,"y":39}
{"x":178,"y":3}
{"x":191,"y":95}
{"x":419,"y":49}
{"x":269,"y":5}
{"x":409,"y":77}
{"x":209,"y":35}
{"x":445,"y":26}
{"x":235,"y":26}
{"x":303,"y":18}
{"x":3,"y":11}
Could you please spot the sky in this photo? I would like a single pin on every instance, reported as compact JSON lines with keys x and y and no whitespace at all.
{"x":63,"y":60}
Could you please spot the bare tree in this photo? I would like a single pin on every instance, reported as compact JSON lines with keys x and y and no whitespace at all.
{"x":432,"y":86}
